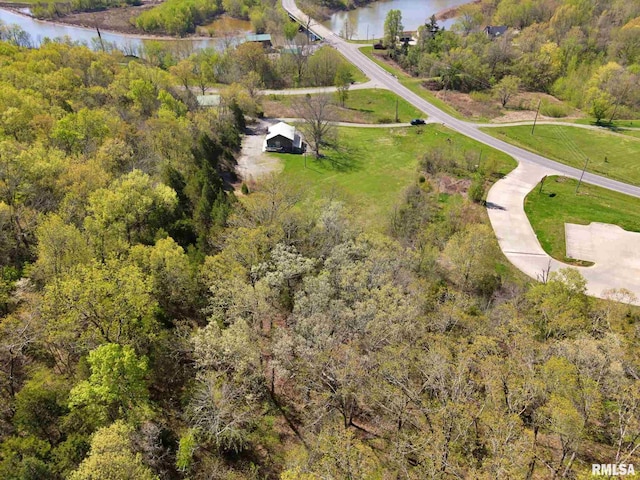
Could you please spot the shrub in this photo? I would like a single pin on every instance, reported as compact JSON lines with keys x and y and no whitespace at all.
{"x":555,"y":110}
{"x":244,"y":189}
{"x":482,"y":97}
{"x":476,"y":190}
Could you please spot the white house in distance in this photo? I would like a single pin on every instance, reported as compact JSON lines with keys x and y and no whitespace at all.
{"x":283,"y":138}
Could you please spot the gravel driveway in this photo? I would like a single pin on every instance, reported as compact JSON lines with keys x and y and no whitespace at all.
{"x":253,"y":163}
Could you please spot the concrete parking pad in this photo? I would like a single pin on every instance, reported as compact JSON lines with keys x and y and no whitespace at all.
{"x":602,"y":243}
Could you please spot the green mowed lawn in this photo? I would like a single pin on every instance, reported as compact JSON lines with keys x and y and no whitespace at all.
{"x":362,"y":106}
{"x":632,"y":133}
{"x":558,"y":204}
{"x":373,"y":166}
{"x":610,"y":155}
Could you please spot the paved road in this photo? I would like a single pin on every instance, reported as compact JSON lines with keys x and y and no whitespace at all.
{"x":344,"y":124}
{"x":371,"y":84}
{"x":381,"y":77}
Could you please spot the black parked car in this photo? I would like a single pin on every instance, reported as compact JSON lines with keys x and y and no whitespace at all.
{"x":417,"y":121}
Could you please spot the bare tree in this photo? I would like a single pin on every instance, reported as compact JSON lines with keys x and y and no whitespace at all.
{"x":348,"y":30}
{"x":317,"y":113}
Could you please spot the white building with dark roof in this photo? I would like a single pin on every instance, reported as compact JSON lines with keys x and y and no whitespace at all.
{"x":283,"y":138}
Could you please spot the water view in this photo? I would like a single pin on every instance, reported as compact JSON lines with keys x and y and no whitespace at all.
{"x":368,"y":22}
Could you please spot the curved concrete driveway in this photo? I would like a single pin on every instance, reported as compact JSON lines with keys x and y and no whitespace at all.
{"x":505,"y":204}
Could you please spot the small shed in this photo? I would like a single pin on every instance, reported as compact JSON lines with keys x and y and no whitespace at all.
{"x":283,"y":138}
{"x":262,"y":38}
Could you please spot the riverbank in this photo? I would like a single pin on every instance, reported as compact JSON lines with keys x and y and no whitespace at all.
{"x":118,"y":21}
{"x":452,"y":12}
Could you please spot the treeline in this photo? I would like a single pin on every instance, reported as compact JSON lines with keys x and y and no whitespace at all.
{"x":324,"y":8}
{"x":248,"y":65}
{"x":586,"y":53}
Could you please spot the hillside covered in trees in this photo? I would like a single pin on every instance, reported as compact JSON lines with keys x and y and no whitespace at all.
{"x":154,"y":325}
{"x":584,"y":52}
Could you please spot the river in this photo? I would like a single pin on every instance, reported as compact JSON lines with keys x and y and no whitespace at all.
{"x":368,"y":21}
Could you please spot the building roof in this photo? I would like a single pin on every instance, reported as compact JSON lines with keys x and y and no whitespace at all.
{"x":260,"y":37}
{"x":208,"y":100}
{"x":281,"y":128}
{"x":287,"y":131}
{"x":496,"y":31}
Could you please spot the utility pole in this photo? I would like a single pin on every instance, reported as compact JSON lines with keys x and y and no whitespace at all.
{"x":536,"y":119}
{"x":367,"y":33}
{"x":396,"y":109}
{"x":582,"y":174}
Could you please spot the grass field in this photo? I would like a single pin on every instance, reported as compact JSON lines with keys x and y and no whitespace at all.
{"x":373,"y":166}
{"x":362,"y":106}
{"x":610,"y":155}
{"x":558,"y":204}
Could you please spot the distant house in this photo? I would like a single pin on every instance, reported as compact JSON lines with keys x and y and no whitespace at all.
{"x":283,"y":138}
{"x":405,"y":37}
{"x":262,"y":38}
{"x":495,"y":31}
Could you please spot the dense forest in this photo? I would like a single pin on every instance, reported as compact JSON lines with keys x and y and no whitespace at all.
{"x":154,"y":324}
{"x":584,"y":52}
